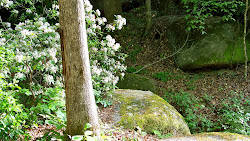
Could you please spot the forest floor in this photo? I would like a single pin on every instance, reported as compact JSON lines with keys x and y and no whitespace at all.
{"x":216,"y":85}
{"x":144,"y":51}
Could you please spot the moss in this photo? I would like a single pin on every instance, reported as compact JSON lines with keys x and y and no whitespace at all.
{"x":137,"y":82}
{"x":221,"y":47}
{"x":150,"y":112}
{"x":212,"y":136}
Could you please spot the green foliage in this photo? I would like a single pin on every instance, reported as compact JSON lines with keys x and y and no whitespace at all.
{"x":232,"y":116}
{"x":88,"y":135}
{"x":159,"y":135}
{"x":30,"y":65}
{"x":12,"y":115}
{"x":163,"y":76}
{"x":236,"y":113}
{"x":135,"y":69}
{"x":199,"y":10}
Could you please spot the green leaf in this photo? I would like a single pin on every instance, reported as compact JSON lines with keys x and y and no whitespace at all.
{"x":87,"y":126}
{"x":203,"y":32}
{"x":77,"y":138}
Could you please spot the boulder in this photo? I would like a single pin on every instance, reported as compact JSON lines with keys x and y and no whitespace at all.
{"x":137,"y":82}
{"x":136,"y":108}
{"x":221,"y":47}
{"x":212,"y":136}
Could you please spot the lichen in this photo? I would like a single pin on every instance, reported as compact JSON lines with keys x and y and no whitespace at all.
{"x":150,"y":112}
{"x":221,"y":47}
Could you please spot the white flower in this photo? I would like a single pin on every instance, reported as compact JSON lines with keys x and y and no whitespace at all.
{"x":109,"y":26}
{"x":94,"y":49}
{"x":15,"y":11}
{"x":110,"y":40}
{"x":25,"y":32}
{"x":52,"y":52}
{"x":88,"y":6}
{"x":106,"y":79}
{"x":6,"y":3}
{"x":45,"y":27}
{"x":10,"y":2}
{"x":42,"y":53}
{"x":92,"y":18}
{"x":95,"y":70}
{"x":104,"y":49}
{"x":120,"y":22}
{"x":122,"y":74}
{"x":55,"y":6}
{"x":100,"y":21}
{"x":6,"y":71}
{"x":98,"y":27}
{"x":90,"y":31}
{"x":19,"y":58}
{"x":26,"y":69}
{"x":15,"y":81}
{"x":54,"y":59}
{"x":39,"y":23}
{"x":48,"y":30}
{"x":36,"y":54}
{"x":18,"y":28}
{"x":28,"y":22}
{"x":48,"y":65}
{"x":116,"y":46}
{"x":58,"y":83}
{"x":28,"y":11}
{"x":21,"y":24}
{"x":8,"y":24}
{"x":104,"y":19}
{"x":49,"y":79}
{"x":38,"y":92}
{"x":53,"y":69}
{"x":95,"y":62}
{"x":33,"y":35}
{"x":19,"y":75}
{"x":93,"y":26}
{"x":103,"y":43}
{"x":2,"y":41}
{"x":98,"y":12}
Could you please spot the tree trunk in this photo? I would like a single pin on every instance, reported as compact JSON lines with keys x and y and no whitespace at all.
{"x":111,"y":8}
{"x":80,"y":101}
{"x":244,"y":38}
{"x":148,"y":17}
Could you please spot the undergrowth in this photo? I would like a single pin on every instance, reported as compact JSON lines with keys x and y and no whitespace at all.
{"x":231,"y":115}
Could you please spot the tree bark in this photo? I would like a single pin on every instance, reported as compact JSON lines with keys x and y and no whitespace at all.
{"x":111,"y":8}
{"x":148,"y":17}
{"x":244,"y":39}
{"x":80,"y":101}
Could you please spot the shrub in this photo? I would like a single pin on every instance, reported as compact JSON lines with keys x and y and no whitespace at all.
{"x":31,"y":63}
{"x":231,"y":116}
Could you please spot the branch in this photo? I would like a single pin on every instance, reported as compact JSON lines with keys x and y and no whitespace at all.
{"x":166,"y":56}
